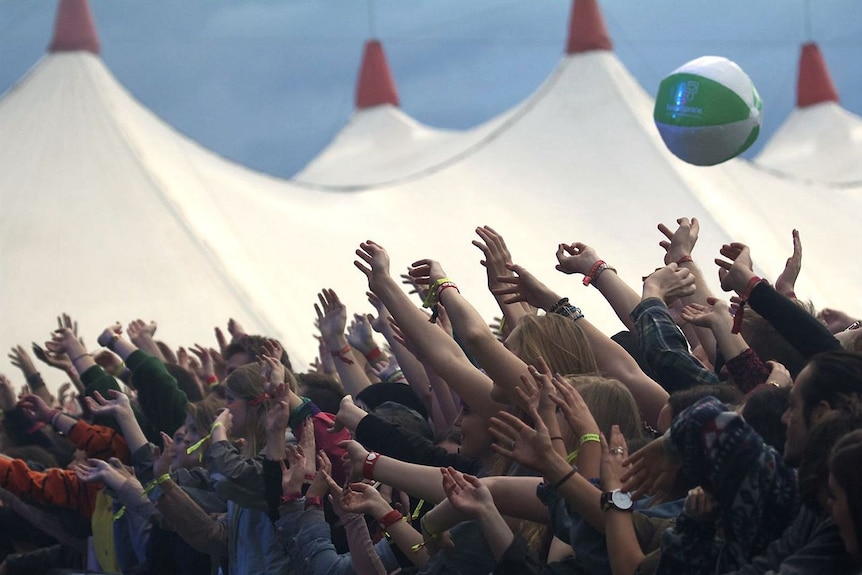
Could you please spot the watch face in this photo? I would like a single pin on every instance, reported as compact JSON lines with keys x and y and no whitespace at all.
{"x":621,"y":500}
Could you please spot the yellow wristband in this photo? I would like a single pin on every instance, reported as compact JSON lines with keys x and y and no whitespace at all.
{"x":589,"y":437}
{"x":220,"y":424}
{"x":163,"y":478}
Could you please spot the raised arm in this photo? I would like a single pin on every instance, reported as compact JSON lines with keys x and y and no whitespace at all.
{"x":21,"y":359}
{"x":159,"y":397}
{"x":745,"y":367}
{"x":497,"y":255}
{"x":785,"y":284}
{"x":441,"y":351}
{"x":612,"y":360}
{"x":796,"y":325}
{"x":141,"y":335}
{"x":332,"y":319}
{"x":579,"y":258}
{"x":679,"y":246}
{"x":504,"y":367}
{"x":663,"y":344}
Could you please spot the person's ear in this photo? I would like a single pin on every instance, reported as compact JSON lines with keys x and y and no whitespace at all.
{"x":819,"y":410}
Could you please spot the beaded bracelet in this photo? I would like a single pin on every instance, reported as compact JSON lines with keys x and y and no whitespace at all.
{"x":565,"y":309}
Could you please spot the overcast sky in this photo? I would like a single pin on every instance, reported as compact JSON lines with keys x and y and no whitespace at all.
{"x":268,"y":83}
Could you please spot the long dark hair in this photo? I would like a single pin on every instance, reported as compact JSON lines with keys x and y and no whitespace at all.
{"x":845,"y":464}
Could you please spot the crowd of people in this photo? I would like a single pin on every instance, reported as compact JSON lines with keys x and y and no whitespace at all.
{"x":709,"y":436}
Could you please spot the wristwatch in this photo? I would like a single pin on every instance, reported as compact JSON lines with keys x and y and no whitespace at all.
{"x":616,"y":499}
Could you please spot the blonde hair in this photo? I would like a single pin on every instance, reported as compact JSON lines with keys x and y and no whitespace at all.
{"x":246,"y":383}
{"x":559,"y":340}
{"x":611,"y":403}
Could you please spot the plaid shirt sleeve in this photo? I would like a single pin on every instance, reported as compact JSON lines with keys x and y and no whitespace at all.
{"x":666,"y":349}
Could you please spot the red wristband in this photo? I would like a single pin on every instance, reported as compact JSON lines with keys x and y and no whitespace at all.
{"x":368,"y":467}
{"x":746,"y":293}
{"x":290,"y":498}
{"x":314,"y":501}
{"x":373,"y":354}
{"x":343,"y":354}
{"x":390,"y":519}
{"x":683,"y":260}
{"x":211,"y":379}
{"x":590,"y":276}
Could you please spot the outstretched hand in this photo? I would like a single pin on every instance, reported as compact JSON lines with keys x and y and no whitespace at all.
{"x":353,"y":458}
{"x":680,"y":243}
{"x":293,"y":477}
{"x":360,"y":334}
{"x":57,"y":360}
{"x":118,"y":406}
{"x":537,"y":388}
{"x":524,"y":287}
{"x":714,"y":315}
{"x":36,"y":409}
{"x":466,"y":493}
{"x":578,"y":415}
{"x":517,"y":440}
{"x":374,"y":262}
{"x":497,"y":255}
{"x":576,"y":258}
{"x":614,"y":452}
{"x":651,"y":470}
{"x":112,"y":473}
{"x":736,"y":273}
{"x":140,"y":331}
{"x":331,"y":315}
{"x":669,"y":283}
{"x":426,"y":271}
{"x":21,"y":359}
{"x":786,"y":282}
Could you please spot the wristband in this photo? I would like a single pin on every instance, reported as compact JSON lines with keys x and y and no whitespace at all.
{"x":343,"y":354}
{"x":216,"y":424}
{"x":743,"y":299}
{"x":565,"y":478}
{"x":373,"y":354}
{"x":589,"y":437}
{"x":746,"y":293}
{"x":368,"y":467}
{"x":683,"y":260}
{"x":314,"y":501}
{"x":596,"y":271}
{"x":211,"y":380}
{"x":290,"y":498}
{"x":390,"y":519}
{"x":118,"y":372}
{"x":163,"y":478}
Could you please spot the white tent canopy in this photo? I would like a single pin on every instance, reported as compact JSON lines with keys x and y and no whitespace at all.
{"x":109,"y":214}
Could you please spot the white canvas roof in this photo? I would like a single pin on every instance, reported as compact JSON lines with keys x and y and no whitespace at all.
{"x":820,"y":140}
{"x":110,"y":214}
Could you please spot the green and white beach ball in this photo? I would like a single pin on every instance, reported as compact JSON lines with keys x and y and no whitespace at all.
{"x":707,"y":111}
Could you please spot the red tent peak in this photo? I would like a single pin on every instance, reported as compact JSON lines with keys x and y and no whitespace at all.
{"x":814,"y":84}
{"x":587,"y":28}
{"x":74,"y":29}
{"x":376,"y":86}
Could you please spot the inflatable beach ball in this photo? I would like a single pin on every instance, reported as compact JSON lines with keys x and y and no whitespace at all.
{"x":707,"y":111}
